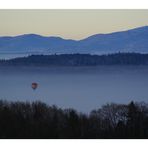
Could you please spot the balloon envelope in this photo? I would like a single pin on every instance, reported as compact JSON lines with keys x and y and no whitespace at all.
{"x":34,"y":85}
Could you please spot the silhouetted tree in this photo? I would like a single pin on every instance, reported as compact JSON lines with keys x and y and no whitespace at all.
{"x":38,"y":120}
{"x":135,"y":121}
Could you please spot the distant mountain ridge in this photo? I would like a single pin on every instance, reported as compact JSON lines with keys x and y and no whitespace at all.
{"x":134,"y":40}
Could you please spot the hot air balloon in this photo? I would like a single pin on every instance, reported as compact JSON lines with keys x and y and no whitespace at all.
{"x":34,"y":85}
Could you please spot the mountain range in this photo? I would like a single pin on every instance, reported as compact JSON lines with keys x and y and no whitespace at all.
{"x":133,"y":40}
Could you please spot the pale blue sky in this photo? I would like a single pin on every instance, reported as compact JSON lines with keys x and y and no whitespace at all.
{"x":73,"y":24}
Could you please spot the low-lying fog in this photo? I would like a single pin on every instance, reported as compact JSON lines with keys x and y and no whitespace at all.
{"x":81,"y":88}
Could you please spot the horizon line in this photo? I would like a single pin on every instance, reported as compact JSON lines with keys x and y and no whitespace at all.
{"x":50,"y":36}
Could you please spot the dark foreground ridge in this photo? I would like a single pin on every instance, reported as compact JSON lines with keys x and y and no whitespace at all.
{"x":38,"y":120}
{"x":78,"y":60}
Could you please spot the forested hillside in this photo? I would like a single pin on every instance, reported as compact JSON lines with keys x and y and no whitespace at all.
{"x":79,"y":60}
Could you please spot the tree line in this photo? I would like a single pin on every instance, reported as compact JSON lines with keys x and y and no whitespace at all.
{"x":79,"y":60}
{"x":35,"y":120}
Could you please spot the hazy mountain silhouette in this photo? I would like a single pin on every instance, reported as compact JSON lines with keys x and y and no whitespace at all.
{"x":134,"y":40}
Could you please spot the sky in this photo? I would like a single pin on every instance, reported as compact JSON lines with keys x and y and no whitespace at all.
{"x":69,"y":24}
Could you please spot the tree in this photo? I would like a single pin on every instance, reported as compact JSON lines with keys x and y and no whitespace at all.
{"x":135,"y":121}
